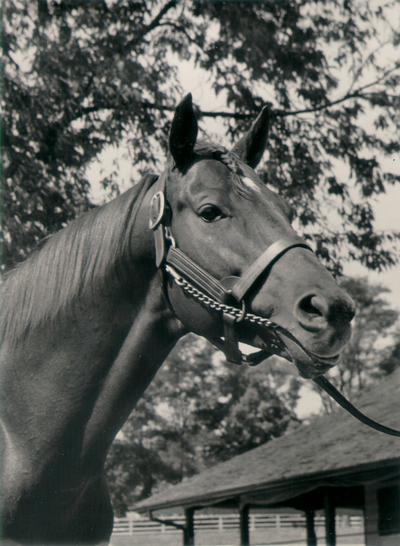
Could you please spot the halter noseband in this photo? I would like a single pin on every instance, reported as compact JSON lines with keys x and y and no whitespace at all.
{"x":227,"y":296}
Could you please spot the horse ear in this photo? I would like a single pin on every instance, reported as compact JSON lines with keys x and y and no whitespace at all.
{"x":183,"y":134}
{"x":251,"y":146}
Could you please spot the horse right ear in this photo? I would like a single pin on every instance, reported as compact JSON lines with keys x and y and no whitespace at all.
{"x":183,"y":134}
{"x":251,"y":146}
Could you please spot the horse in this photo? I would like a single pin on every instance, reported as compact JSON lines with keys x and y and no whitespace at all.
{"x":89,"y":317}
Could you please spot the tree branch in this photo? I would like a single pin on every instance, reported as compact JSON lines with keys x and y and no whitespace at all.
{"x":179,"y":28}
{"x":325,"y":105}
{"x":359,"y":70}
{"x":357,"y":94}
{"x":152,"y":25}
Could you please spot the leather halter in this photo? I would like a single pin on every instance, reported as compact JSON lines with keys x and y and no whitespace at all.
{"x":231,"y":291}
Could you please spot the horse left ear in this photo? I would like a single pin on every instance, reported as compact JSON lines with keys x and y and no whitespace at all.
{"x":183,"y":134}
{"x":251,"y":146}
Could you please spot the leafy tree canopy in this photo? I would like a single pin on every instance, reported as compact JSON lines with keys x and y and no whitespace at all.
{"x":80,"y":76}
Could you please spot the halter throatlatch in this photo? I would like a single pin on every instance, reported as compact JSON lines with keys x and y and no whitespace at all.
{"x":227,"y":297}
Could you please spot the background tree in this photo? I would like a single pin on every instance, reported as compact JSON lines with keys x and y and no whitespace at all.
{"x":198,"y":411}
{"x":82,"y":76}
{"x":392,"y":359}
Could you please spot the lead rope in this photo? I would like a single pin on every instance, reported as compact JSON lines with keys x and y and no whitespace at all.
{"x":242,"y":315}
{"x":327,"y":386}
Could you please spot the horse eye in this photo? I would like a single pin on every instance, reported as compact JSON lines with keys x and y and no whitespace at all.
{"x":211,"y":213}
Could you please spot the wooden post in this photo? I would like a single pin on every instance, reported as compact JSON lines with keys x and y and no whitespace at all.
{"x":188,"y":531}
{"x":330,"y":528}
{"x":372,"y":537}
{"x":310,"y":526}
{"x":244,"y":525}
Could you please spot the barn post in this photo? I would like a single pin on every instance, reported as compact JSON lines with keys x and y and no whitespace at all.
{"x":310,"y":527}
{"x":244,"y":525}
{"x":330,"y":527}
{"x":188,"y":530}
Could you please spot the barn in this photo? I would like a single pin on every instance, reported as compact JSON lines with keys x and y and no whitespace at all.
{"x":335,"y":463}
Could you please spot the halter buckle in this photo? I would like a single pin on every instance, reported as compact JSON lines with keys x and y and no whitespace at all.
{"x":157,"y":210}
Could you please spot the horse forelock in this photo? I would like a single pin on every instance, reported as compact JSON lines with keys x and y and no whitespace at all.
{"x":77,"y":261}
{"x":208,"y":150}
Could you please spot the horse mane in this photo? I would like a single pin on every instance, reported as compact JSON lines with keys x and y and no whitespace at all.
{"x":82,"y":258}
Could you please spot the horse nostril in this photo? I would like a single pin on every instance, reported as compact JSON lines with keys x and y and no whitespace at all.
{"x":315,"y":312}
{"x":313,"y":305}
{"x":311,"y":311}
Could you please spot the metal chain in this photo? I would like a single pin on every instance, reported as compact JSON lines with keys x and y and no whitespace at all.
{"x":196,"y":294}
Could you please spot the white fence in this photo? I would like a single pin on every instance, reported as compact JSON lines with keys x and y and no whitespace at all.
{"x":133,"y":525}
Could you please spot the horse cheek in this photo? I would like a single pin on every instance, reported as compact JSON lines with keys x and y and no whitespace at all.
{"x":194,"y":315}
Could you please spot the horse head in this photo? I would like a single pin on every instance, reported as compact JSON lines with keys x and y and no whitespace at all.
{"x":229,"y":244}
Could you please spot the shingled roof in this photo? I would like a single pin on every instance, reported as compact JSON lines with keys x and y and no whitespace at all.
{"x":332,"y":445}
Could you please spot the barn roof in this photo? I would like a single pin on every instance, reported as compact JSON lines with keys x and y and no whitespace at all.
{"x":333,"y":445}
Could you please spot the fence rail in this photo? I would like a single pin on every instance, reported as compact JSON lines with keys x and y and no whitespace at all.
{"x":133,"y":525}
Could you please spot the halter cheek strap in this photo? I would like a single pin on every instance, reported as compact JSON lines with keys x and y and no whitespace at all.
{"x":156,"y":224}
{"x":265,"y":262}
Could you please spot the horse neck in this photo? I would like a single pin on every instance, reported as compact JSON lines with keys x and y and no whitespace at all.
{"x":96,"y":362}
{"x":151,"y":336}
